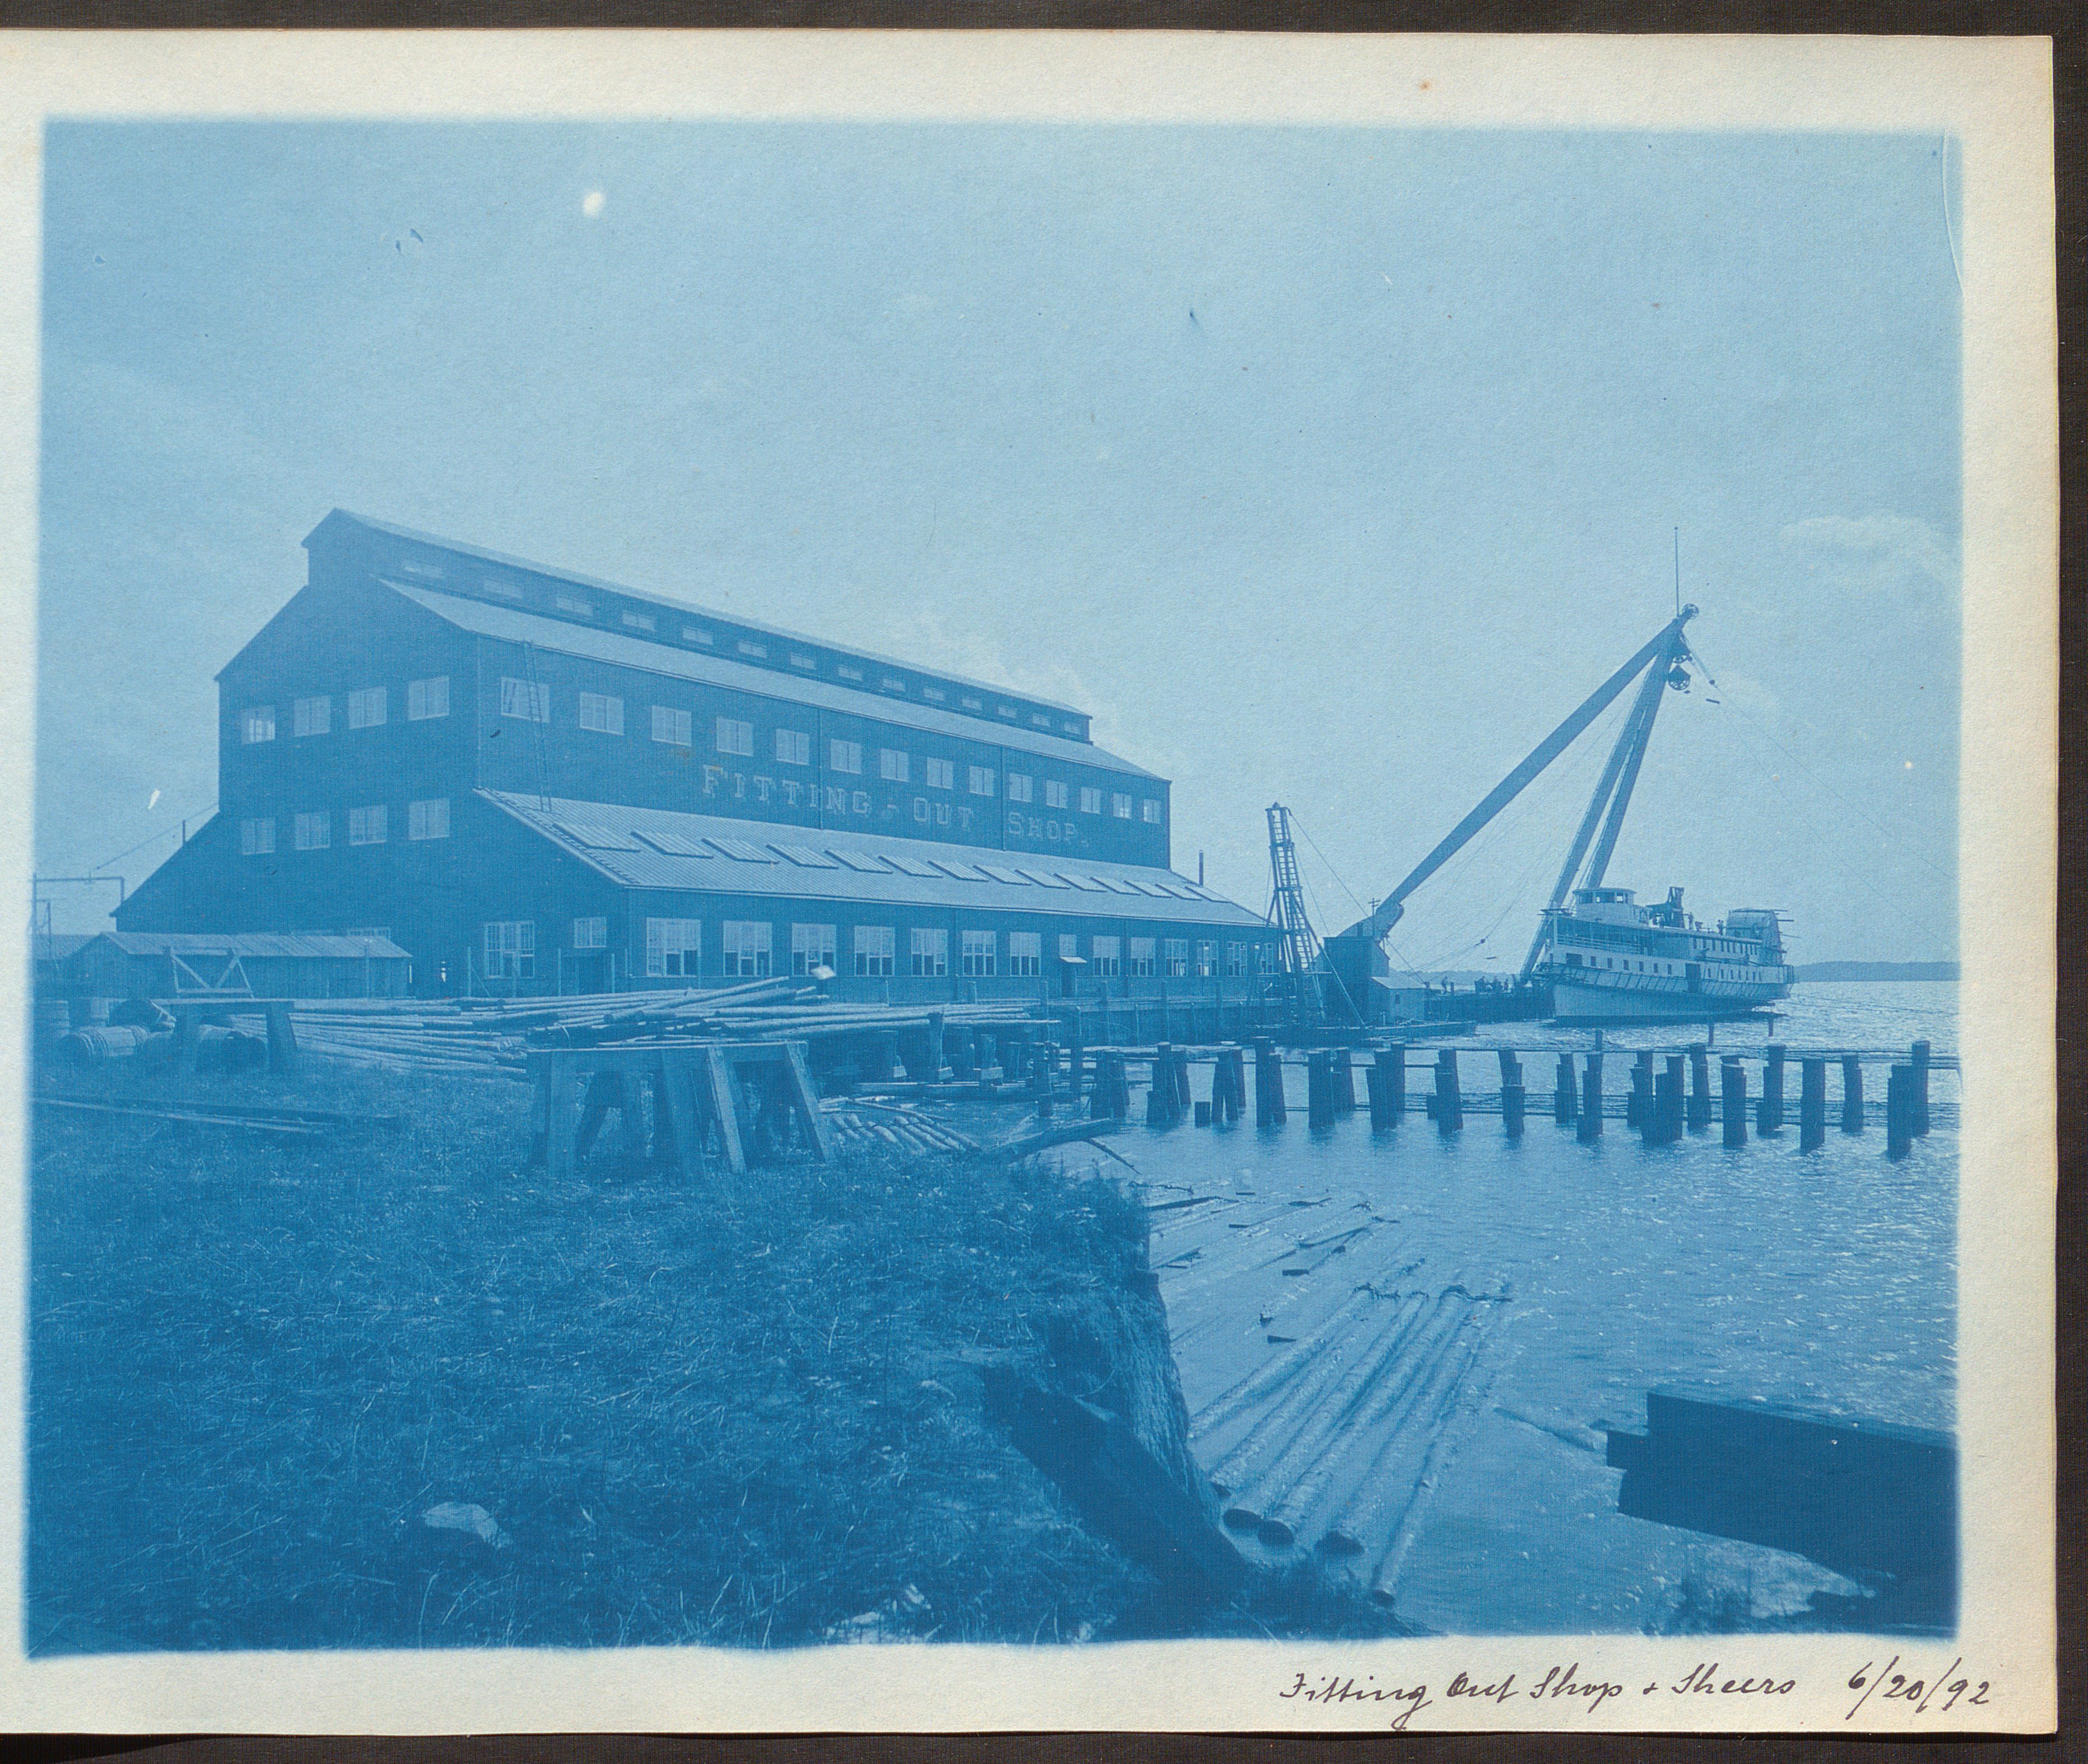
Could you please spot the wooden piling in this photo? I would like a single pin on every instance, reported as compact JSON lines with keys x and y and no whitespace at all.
{"x":1733,"y":1102}
{"x":1918,"y":1099}
{"x":1319,"y":1089}
{"x":1269,"y":1110}
{"x":1673,"y":1107}
{"x":1769,"y":1113}
{"x":1700,"y":1087}
{"x":1513,"y":1097}
{"x":1653,"y":1118}
{"x":1812,"y":1104}
{"x":1591,"y":1099}
{"x":1852,"y":1094}
{"x":1565,"y":1094}
{"x":1899,"y":1112}
{"x":1449,"y":1101}
{"x":1392,"y":1063}
{"x":1638,"y":1105}
{"x":1160,"y":1109}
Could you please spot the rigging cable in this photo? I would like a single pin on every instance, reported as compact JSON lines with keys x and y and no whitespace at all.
{"x":1847,"y":802}
{"x":152,"y":839}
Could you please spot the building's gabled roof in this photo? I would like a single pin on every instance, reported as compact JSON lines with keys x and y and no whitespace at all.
{"x":56,"y":945}
{"x":340,"y":523}
{"x":302,"y":946}
{"x":658,"y":848}
{"x":512,"y":624}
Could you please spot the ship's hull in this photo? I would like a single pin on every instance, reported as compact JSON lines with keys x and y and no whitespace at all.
{"x":1630,"y":998}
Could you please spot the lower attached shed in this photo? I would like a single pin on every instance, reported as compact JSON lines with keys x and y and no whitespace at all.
{"x":615,"y":897}
{"x":165,"y":965}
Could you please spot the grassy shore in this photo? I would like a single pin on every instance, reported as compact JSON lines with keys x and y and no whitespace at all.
{"x":255,"y":1367}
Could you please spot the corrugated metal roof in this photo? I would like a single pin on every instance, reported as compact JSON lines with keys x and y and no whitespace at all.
{"x":512,"y":624}
{"x":748,"y":859}
{"x":306,"y":945}
{"x":685,"y":607}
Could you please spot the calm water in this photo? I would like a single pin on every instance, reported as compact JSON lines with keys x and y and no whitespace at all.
{"x":1825,"y":1278}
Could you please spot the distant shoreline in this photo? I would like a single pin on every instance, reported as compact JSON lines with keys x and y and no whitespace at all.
{"x":1901,"y":971}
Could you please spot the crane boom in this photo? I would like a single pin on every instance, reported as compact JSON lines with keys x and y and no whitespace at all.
{"x":1390,"y":910}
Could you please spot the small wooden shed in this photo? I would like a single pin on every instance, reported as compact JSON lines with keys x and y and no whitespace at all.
{"x":259,"y":964}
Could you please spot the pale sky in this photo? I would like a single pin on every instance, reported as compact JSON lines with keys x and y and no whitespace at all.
{"x":1326,"y":466}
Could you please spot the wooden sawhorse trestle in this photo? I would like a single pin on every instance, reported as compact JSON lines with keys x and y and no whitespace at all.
{"x":191,"y":1013}
{"x":736,"y":1101}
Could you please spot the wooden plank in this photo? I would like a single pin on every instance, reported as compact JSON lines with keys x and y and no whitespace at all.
{"x":799,"y":1077}
{"x":562,"y":1118}
{"x":725,"y":1105}
{"x":677,"y":1082}
{"x":282,"y":1039}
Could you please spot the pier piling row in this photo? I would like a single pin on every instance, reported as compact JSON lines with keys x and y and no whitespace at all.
{"x":1670,"y":1093}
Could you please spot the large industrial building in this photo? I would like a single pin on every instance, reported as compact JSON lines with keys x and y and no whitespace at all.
{"x":533,"y":782}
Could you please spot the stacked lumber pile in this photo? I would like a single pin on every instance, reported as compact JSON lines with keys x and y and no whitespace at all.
{"x":858,"y":1122}
{"x":495,"y":1035}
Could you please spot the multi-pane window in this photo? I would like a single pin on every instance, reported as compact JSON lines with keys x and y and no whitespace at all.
{"x":601,"y":713}
{"x":670,"y":726}
{"x":1235,"y":959}
{"x":980,"y":780}
{"x":367,"y":709}
{"x":314,"y":832}
{"x":812,"y":945}
{"x":1069,"y":947}
{"x":640,"y":622}
{"x":591,"y":933}
{"x":530,"y":700}
{"x":940,"y":774}
{"x":1091,"y":800}
{"x":845,"y":756}
{"x":735,"y":736}
{"x":511,"y":949}
{"x":1055,"y":793}
{"x":1019,"y":787}
{"x":748,"y":945}
{"x":426,"y":698}
{"x":366,"y":827}
{"x":313,"y":717}
{"x":1176,"y":954}
{"x":257,"y":722}
{"x":1207,"y":960}
{"x":793,"y":747}
{"x":1109,"y":956}
{"x":891,"y":765}
{"x":1141,"y":957}
{"x":257,"y":839}
{"x":673,"y":948}
{"x":873,"y":952}
{"x":1120,"y":805}
{"x":1150,"y":809}
{"x":931,"y":954}
{"x":573,"y":605}
{"x":976,"y":952}
{"x":1025,"y":950}
{"x":1265,"y":959}
{"x":428,"y":820}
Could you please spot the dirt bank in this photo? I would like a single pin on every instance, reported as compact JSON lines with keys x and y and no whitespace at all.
{"x":257,"y":1368}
